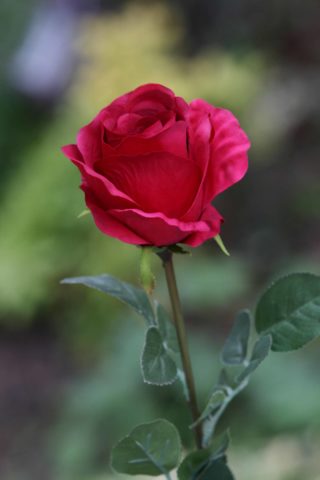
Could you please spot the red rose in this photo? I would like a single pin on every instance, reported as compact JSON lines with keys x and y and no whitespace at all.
{"x":151,"y":164}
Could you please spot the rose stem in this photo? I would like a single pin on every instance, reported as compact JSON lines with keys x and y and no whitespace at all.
{"x":182,"y":339}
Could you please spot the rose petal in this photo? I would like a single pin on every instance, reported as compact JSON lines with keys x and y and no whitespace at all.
{"x":150,"y":98}
{"x":181,"y":108}
{"x":156,"y":228}
{"x":140,"y":228}
{"x":156,"y":181}
{"x":200,"y":134}
{"x":104,"y":190}
{"x":213,"y":219}
{"x":144,"y":127}
{"x":199,"y":137}
{"x":172,"y":140}
{"x":109,"y":224}
{"x":127,"y":123}
{"x":229,"y":160}
{"x":89,"y":140}
{"x":153,"y":129}
{"x":219,"y":146}
{"x":72,"y":152}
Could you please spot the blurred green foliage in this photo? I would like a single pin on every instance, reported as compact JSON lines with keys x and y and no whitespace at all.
{"x":270,"y":227}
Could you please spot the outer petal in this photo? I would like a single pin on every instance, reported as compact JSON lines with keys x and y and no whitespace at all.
{"x":200,"y":134}
{"x":219,"y":145}
{"x":110,"y":225}
{"x":156,"y":228}
{"x":139,"y":228}
{"x":108,"y":195}
{"x":214,"y":220}
{"x":229,"y":160}
{"x":90,"y":137}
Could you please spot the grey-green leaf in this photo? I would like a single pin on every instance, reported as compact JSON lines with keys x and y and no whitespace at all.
{"x":200,"y":466}
{"x":170,"y":342}
{"x":158,"y":368}
{"x":290,"y":311}
{"x":150,"y":449}
{"x":127,"y":293}
{"x":235,"y":349}
{"x":220,"y":444}
{"x":217,"y":470}
{"x":196,"y":462}
{"x":193,"y":464}
{"x":260,"y":351}
{"x":215,"y":401}
{"x":167,"y":329}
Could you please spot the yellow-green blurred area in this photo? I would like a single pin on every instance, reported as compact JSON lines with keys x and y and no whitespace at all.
{"x":70,"y":384}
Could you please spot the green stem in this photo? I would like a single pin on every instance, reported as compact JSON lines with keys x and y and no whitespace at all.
{"x":182,"y":339}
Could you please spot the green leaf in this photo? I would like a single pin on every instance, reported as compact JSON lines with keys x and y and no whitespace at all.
{"x":129,"y":294}
{"x":200,"y":466}
{"x":220,"y":444}
{"x":167,"y":329}
{"x":236,"y":346}
{"x":193,"y":464}
{"x":216,"y":399}
{"x":221,"y":245}
{"x":158,"y":368}
{"x":224,"y":380}
{"x":260,"y":351}
{"x":170,"y":343}
{"x":147,"y":277}
{"x":196,"y":462}
{"x":290,"y":311}
{"x":150,"y":449}
{"x":217,"y":470}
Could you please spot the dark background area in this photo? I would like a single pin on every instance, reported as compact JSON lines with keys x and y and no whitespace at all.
{"x":69,"y":358}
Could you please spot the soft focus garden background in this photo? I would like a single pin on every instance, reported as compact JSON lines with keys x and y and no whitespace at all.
{"x":70,"y":384}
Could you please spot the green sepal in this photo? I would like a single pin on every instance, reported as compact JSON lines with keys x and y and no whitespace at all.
{"x":221,"y":245}
{"x":180,"y":249}
{"x":175,"y":248}
{"x":150,"y":449}
{"x":84,"y":212}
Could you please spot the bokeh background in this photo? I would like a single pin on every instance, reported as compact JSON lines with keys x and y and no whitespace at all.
{"x":69,"y":358}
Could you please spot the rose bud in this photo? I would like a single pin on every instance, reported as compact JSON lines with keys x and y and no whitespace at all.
{"x":151,"y":164}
